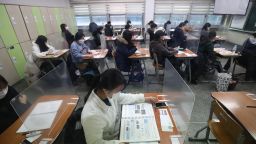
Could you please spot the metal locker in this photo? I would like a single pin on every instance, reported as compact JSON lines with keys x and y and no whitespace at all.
{"x":46,"y":20}
{"x":38,"y":20}
{"x":58,"y":18}
{"x":29,"y":21}
{"x":1,"y":42}
{"x":53,"y":20}
{"x":27,"y":48}
{"x":7,"y":69}
{"x":17,"y":22}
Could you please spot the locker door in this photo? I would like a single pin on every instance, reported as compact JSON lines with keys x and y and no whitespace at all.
{"x":18,"y":59}
{"x":39,"y":21}
{"x":46,"y":20}
{"x":7,"y":69}
{"x":58,"y":18}
{"x":27,"y":48}
{"x":6,"y":31}
{"x":17,"y":22}
{"x":52,"y":19}
{"x":29,"y":20}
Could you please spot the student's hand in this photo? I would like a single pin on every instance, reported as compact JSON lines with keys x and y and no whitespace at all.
{"x":152,"y":100}
{"x":23,"y":99}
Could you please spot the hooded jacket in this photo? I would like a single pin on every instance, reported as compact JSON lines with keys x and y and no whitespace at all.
{"x":124,"y":50}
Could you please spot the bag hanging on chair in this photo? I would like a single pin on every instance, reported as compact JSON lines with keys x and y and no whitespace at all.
{"x":223,"y":81}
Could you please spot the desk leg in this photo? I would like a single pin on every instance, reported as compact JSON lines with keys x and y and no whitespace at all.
{"x":189,"y":70}
{"x":146,"y":72}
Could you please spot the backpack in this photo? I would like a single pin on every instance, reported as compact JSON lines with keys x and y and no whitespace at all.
{"x":136,"y":73}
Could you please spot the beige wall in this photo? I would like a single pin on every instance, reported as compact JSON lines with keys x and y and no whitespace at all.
{"x":237,"y":37}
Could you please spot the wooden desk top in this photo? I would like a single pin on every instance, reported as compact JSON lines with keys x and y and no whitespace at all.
{"x":57,"y":54}
{"x":109,"y":38}
{"x":143,"y":53}
{"x":235,"y":103}
{"x":164,"y":136}
{"x":225,"y":53}
{"x":99,"y":54}
{"x":9,"y":136}
{"x":186,"y":54}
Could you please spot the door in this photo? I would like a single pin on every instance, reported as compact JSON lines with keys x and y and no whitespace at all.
{"x":26,"y":48}
{"x":6,"y":31}
{"x":39,"y":21}
{"x":17,"y":22}
{"x":46,"y":20}
{"x":7,"y":69}
{"x":52,"y":19}
{"x":29,"y":21}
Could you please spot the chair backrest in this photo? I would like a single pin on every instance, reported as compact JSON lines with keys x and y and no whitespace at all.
{"x":114,"y":56}
{"x":155,"y":60}
{"x":231,"y":127}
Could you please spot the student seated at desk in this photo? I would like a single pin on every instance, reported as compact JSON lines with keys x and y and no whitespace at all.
{"x":151,"y":31}
{"x":187,"y":28}
{"x":125,"y":48}
{"x":205,"y":30}
{"x":42,"y":48}
{"x":79,"y":53}
{"x":101,"y":115}
{"x":96,"y":35}
{"x":8,"y":114}
{"x":109,"y":29}
{"x":179,"y":38}
{"x":206,"y":60}
{"x":167,"y":27}
{"x":69,"y":37}
{"x":162,"y":52}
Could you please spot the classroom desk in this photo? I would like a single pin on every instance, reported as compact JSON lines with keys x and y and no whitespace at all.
{"x":187,"y":55}
{"x":222,"y":52}
{"x":99,"y":54}
{"x":236,"y":103}
{"x":164,"y":136}
{"x":9,"y":136}
{"x":142,"y":54}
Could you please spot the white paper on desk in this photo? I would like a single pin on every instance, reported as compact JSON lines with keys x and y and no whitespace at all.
{"x":37,"y":122}
{"x":47,"y":107}
{"x":139,"y":130}
{"x":166,"y":122}
{"x":137,"y":110}
{"x":33,"y":138}
{"x":187,"y":54}
{"x":180,"y":52}
{"x":138,"y":52}
{"x":143,"y":143}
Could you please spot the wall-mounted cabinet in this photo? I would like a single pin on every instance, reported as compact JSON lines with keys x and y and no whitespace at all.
{"x":17,"y":22}
{"x":7,"y":69}
{"x":29,"y":21}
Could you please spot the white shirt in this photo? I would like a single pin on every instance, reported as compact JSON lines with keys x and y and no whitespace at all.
{"x":36,"y":50}
{"x":101,"y":123}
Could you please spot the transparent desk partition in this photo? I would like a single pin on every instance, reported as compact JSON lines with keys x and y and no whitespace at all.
{"x":181,"y":98}
{"x":193,"y":39}
{"x":43,"y":99}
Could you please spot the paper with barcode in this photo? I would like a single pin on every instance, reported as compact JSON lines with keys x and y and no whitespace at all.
{"x":137,"y":110}
{"x":166,"y":122}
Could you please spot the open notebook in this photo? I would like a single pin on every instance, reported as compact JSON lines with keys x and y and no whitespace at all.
{"x":138,"y":124}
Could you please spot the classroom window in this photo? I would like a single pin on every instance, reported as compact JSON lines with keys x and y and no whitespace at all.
{"x":82,"y":20}
{"x":99,"y":20}
{"x":197,"y":19}
{"x":117,"y":19}
{"x":135,"y":19}
{"x":161,"y":19}
{"x":176,"y":19}
{"x":214,"y":19}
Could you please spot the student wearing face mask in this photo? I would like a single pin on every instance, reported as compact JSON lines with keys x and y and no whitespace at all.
{"x":101,"y":114}
{"x":157,"y":46}
{"x":179,"y":37}
{"x":81,"y":56}
{"x":67,"y":34}
{"x":8,"y":114}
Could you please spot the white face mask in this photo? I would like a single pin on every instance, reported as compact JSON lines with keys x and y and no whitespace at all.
{"x":67,"y":28}
{"x":81,"y":41}
{"x":3,"y":92}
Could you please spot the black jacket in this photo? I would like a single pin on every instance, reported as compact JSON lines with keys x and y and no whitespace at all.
{"x":108,"y":30}
{"x":69,"y":37}
{"x":161,"y":51}
{"x":179,"y":38}
{"x":151,"y":34}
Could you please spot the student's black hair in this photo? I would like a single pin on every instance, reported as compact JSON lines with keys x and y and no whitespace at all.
{"x":206,"y":25}
{"x":254,"y":35}
{"x":182,"y":24}
{"x":100,"y":28}
{"x":78,"y":36}
{"x":212,"y":34}
{"x":63,"y":27}
{"x":3,"y":82}
{"x":186,"y":22}
{"x":150,"y":22}
{"x":158,"y":35}
{"x":127,"y":35}
{"x":166,"y":23}
{"x":109,"y":80}
{"x":109,"y":22}
{"x":127,"y":26}
{"x":153,"y":25}
{"x":41,"y":41}
{"x":128,"y":22}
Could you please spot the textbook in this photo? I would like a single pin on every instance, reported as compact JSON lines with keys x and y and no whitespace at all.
{"x":138,"y":124}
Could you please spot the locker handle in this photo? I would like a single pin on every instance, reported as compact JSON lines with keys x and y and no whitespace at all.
{"x":11,"y":47}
